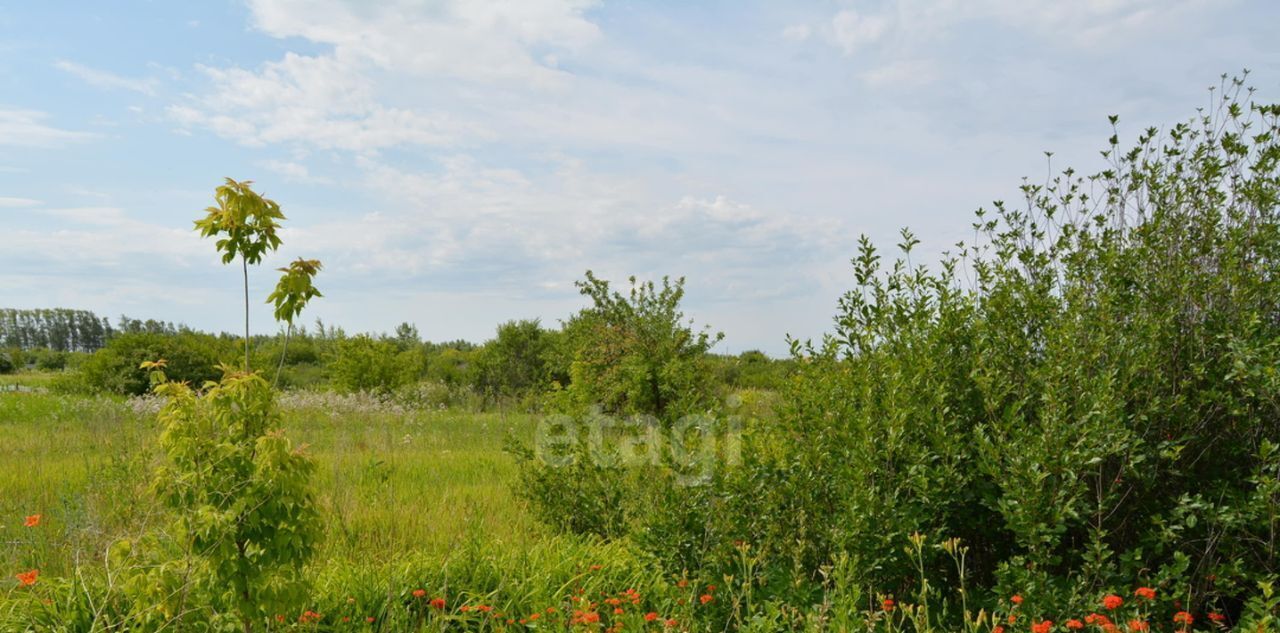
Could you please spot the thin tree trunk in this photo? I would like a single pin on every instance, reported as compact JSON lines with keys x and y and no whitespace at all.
{"x":244,"y":264}
{"x":284,"y":349}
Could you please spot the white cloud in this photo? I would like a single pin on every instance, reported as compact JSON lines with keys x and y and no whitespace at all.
{"x":852,"y":31}
{"x":333,"y":101}
{"x":104,"y":79}
{"x":26,"y":128}
{"x":15,"y":203}
{"x":291,"y":170}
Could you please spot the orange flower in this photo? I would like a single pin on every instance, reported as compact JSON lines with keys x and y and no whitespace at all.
{"x":670,"y":623}
{"x":437,"y":603}
{"x":888,"y":604}
{"x":1016,"y":599}
{"x":32,"y":520}
{"x":998,"y":629}
{"x":650,"y":616}
{"x":1183,"y":618}
{"x":618,"y":611}
{"x":1146,"y":593}
{"x":705,"y":598}
{"x":419,"y":593}
{"x":1042,"y":627}
{"x":1217,"y":617}
{"x":1097,"y":618}
{"x":28,"y":578}
{"x":1112,"y":602}
{"x":1075,"y":625}
{"x":371,"y":619}
{"x":1138,"y":626}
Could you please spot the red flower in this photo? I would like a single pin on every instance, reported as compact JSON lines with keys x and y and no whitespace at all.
{"x":670,"y":623}
{"x":650,"y":616}
{"x":705,"y":598}
{"x":371,"y":619}
{"x":1042,"y":627}
{"x":618,"y":611}
{"x":1146,"y":593}
{"x":1112,"y":602}
{"x":888,"y":604}
{"x":28,"y":578}
{"x":437,"y":603}
{"x":1183,"y":618}
{"x":1016,"y":599}
{"x":998,"y":629}
{"x":1137,"y":626}
{"x":1075,"y":625}
{"x":32,"y":520}
{"x":1217,"y":617}
{"x":419,"y":593}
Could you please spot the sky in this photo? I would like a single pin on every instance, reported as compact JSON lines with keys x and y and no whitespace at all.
{"x":459,"y":163}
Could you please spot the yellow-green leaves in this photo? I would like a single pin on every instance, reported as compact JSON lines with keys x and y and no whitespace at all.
{"x":294,"y":289}
{"x":246,"y":221}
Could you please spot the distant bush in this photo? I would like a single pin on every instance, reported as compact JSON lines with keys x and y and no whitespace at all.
{"x":635,"y":354}
{"x":191,"y":358}
{"x":516,"y":360}
{"x":364,"y":363}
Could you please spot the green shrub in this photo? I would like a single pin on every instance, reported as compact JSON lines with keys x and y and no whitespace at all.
{"x":1097,"y":403}
{"x":635,"y":354}
{"x":191,"y":358}
{"x":363,"y":363}
{"x":515,"y":361}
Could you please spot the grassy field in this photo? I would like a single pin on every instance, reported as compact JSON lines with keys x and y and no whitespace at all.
{"x":390,"y":480}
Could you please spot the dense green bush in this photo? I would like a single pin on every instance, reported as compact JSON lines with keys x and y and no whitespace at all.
{"x":516,"y":361}
{"x":364,"y":363}
{"x":191,"y":358}
{"x":635,"y":354}
{"x":1087,"y":396}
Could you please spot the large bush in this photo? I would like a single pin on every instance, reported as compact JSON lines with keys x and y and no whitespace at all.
{"x":1089,"y":395}
{"x":191,"y":358}
{"x":635,"y":353}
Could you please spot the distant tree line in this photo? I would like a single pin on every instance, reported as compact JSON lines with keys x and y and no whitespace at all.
{"x":67,"y":330}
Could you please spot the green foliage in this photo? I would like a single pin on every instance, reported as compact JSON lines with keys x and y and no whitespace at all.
{"x":191,"y":357}
{"x":295,"y":289}
{"x":634,"y":353}
{"x":1098,"y":403}
{"x":244,"y":222}
{"x":245,"y":517}
{"x":364,"y":363}
{"x":515,"y":361}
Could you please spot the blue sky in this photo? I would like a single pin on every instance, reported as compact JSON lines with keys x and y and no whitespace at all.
{"x":458,"y":163}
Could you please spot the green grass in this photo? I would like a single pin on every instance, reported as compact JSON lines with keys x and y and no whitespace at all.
{"x":391,"y":483}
